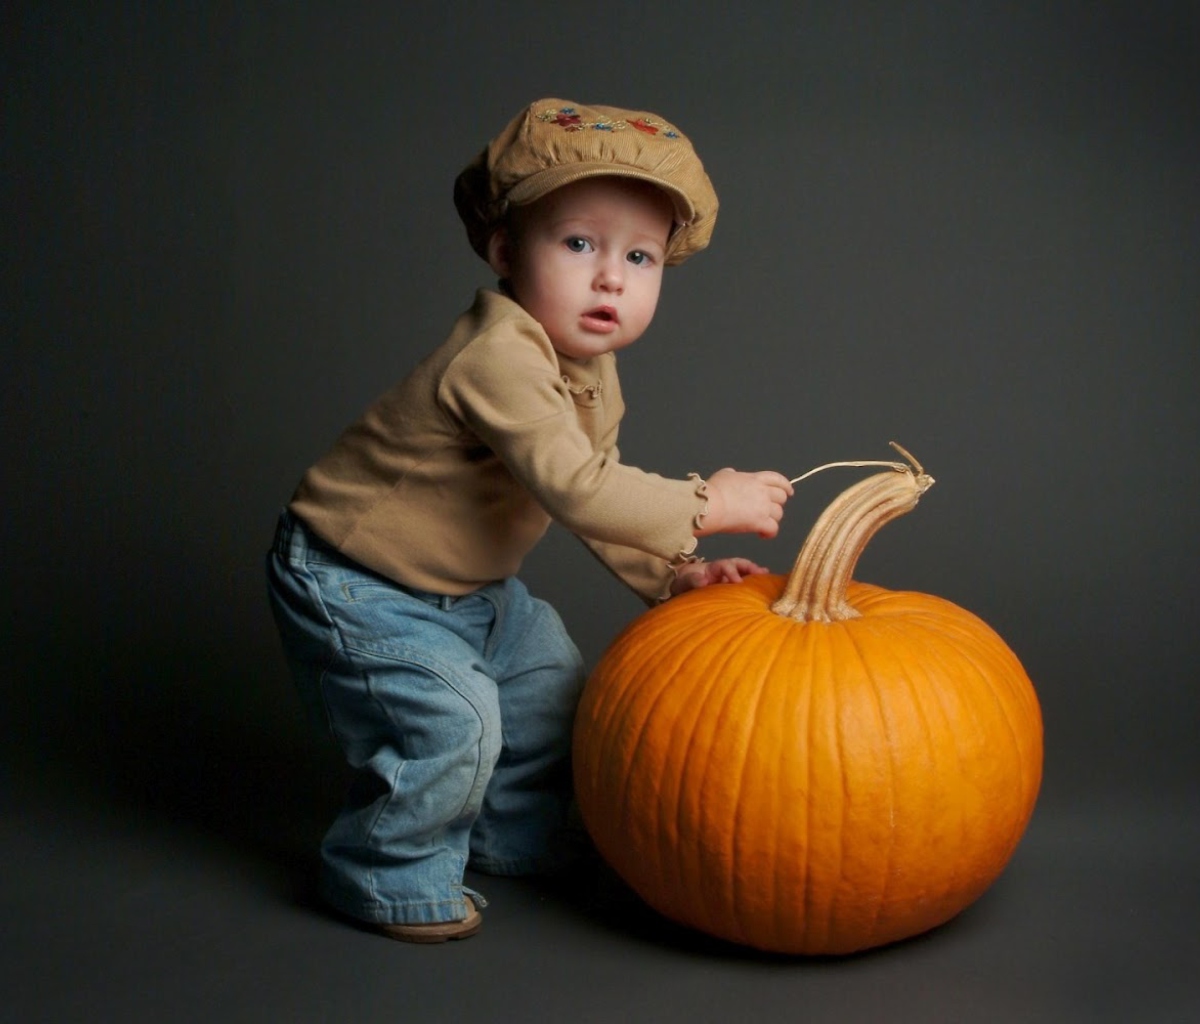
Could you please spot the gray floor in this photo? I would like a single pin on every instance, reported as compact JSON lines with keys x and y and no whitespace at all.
{"x":176,"y":895}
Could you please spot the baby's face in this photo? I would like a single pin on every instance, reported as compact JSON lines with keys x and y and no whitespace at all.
{"x":586,"y":261}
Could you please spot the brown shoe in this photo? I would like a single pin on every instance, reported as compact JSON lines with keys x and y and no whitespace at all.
{"x":437,"y":931}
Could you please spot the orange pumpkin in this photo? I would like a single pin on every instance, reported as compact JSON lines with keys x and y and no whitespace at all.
{"x":810,"y":765}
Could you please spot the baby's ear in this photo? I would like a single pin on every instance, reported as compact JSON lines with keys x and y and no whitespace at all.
{"x":499,"y":253}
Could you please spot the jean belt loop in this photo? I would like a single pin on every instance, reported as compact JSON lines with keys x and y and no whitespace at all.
{"x":287,"y":536}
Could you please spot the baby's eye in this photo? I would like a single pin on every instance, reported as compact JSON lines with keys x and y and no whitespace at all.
{"x":577,"y":244}
{"x":639,"y":258}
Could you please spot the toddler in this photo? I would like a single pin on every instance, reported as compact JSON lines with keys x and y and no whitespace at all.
{"x":449,"y":689}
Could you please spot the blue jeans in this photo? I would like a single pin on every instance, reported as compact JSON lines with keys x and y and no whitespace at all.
{"x":455,"y":714}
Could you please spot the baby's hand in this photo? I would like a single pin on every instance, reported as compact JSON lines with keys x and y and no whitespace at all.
{"x":692,"y":575}
{"x":745,"y":503}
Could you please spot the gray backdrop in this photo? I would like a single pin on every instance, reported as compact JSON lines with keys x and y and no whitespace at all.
{"x":970,"y":228}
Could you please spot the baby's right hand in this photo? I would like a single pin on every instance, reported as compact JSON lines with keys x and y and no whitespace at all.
{"x":745,"y":503}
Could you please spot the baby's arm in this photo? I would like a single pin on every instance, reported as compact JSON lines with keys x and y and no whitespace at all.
{"x":745,"y":503}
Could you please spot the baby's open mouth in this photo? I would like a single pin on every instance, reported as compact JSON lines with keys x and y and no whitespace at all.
{"x":605,"y":314}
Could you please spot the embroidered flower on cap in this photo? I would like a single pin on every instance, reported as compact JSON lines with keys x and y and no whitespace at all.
{"x":568,"y":119}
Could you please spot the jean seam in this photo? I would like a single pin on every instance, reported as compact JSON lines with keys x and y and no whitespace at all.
{"x":301,"y":569}
{"x":375,"y":824}
{"x":497,"y":630}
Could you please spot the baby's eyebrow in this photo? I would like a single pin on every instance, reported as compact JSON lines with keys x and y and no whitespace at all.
{"x":588,"y":226}
{"x":580,"y":224}
{"x":648,"y":242}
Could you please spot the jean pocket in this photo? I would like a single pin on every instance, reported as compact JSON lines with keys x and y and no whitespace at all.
{"x":369,"y":590}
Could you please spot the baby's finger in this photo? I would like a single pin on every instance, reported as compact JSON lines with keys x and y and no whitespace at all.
{"x":778,"y":494}
{"x":769,"y":528}
{"x":745,"y":567}
{"x":777,"y":480}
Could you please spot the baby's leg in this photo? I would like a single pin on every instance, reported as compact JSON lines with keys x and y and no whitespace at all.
{"x":521,"y":828}
{"x":399,"y":681}
{"x":422,"y":731}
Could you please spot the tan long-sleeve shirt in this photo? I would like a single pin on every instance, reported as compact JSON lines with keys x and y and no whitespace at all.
{"x":449,"y":479}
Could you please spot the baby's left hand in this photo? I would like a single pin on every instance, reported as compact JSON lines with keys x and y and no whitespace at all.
{"x":724,"y":570}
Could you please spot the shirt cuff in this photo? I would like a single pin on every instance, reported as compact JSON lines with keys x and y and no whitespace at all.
{"x":688,"y":554}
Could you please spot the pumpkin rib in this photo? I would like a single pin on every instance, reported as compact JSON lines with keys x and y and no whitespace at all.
{"x":798,"y":816}
{"x":710,"y":779}
{"x":630,"y":645}
{"x":839,"y":740}
{"x":956,"y":882}
{"x":928,"y":729}
{"x":768,"y":729}
{"x":650,"y":713}
{"x":631,"y":668}
{"x":986,"y":681}
{"x":737,"y":837}
{"x":647,"y":714}
{"x":889,"y":858}
{"x":945,"y":738}
{"x":691,"y":748}
{"x":809,"y":894}
{"x":985,"y":676}
{"x":949,"y":621}
{"x":610,"y":719}
{"x":695,"y":752}
{"x":865,"y":885}
{"x":691,"y":869}
{"x":932,"y":730}
{"x":795,"y":817}
{"x":776,"y":787}
{"x":820,"y":682}
{"x":730,"y":842}
{"x":1012,"y":701}
{"x":837,"y":761}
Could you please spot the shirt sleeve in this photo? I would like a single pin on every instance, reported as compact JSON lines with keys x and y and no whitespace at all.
{"x":506,"y":387}
{"x":646,"y":575}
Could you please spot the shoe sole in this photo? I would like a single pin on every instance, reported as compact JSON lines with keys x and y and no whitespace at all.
{"x":445,"y":931}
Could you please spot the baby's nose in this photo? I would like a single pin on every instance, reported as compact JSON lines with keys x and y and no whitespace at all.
{"x":611,"y":275}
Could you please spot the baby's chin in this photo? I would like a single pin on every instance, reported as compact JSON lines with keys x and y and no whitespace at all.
{"x":584,"y":345}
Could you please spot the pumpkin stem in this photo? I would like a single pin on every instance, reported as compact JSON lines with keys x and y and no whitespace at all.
{"x":816,"y":589}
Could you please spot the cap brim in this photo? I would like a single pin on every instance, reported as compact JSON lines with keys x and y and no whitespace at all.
{"x":541,"y":183}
